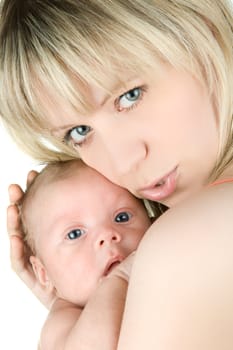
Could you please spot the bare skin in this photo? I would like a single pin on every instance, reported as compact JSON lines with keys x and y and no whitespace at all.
{"x":71,"y":276}
{"x":177,"y":275}
{"x":97,"y":326}
{"x":187,"y":287}
{"x":184,"y":266}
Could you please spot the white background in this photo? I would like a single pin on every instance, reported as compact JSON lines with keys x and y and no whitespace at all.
{"x":21,"y":314}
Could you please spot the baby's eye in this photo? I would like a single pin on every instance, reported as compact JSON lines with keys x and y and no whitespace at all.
{"x":129,"y":99}
{"x":123,"y":217}
{"x":78,"y":134}
{"x":74,"y":234}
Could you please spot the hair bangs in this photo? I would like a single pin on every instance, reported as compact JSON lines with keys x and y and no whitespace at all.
{"x":67,"y":46}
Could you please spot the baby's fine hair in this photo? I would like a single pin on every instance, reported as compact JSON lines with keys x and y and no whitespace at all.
{"x":54,"y":171}
{"x":63,"y":46}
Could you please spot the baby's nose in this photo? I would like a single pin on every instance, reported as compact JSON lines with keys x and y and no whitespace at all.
{"x":108,"y":237}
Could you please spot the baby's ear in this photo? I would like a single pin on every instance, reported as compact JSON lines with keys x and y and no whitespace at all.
{"x":40,"y":271}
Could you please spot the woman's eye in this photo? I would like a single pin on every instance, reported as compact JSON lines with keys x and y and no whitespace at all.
{"x":129,"y":99}
{"x":123,"y":217}
{"x":78,"y":134}
{"x":74,"y":234}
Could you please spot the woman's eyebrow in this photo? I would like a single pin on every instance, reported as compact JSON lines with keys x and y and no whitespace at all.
{"x":112,"y":91}
{"x":117,"y":89}
{"x":61,"y":128}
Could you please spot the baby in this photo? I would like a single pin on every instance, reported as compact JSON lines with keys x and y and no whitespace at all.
{"x":80,"y":227}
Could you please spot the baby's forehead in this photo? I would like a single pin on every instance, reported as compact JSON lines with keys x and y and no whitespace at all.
{"x":74,"y":177}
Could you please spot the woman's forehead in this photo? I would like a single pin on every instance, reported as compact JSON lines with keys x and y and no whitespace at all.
{"x":89,"y":95}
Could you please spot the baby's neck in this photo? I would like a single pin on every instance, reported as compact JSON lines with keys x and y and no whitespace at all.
{"x":60,"y":304}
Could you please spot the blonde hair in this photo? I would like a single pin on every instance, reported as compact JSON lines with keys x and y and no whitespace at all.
{"x":53,"y":44}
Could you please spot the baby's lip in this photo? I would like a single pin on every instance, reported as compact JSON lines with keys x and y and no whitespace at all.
{"x":112,"y":263}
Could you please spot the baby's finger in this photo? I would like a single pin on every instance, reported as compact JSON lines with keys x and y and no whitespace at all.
{"x":123,"y":270}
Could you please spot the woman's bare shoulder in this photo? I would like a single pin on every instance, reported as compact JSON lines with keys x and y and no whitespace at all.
{"x":183,"y":272}
{"x":193,"y":232}
{"x":209,"y":213}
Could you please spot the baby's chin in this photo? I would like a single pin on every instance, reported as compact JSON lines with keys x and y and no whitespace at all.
{"x":78,"y":298}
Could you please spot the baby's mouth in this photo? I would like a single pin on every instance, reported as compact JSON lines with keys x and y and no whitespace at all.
{"x":111,"y":266}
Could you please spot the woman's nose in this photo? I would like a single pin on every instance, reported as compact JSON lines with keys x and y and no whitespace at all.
{"x":126,"y":158}
{"x":120,"y":157}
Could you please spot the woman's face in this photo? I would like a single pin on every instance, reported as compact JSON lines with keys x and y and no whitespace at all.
{"x":156,"y":136}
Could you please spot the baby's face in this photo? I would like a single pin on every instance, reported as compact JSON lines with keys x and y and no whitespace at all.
{"x":84,"y":226}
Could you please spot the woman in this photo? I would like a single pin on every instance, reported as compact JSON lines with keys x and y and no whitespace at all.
{"x":142,"y":92}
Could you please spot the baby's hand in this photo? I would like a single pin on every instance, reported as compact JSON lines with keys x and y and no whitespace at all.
{"x":123,"y":270}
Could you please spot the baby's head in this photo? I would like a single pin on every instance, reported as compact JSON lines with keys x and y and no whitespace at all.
{"x":79,"y":226}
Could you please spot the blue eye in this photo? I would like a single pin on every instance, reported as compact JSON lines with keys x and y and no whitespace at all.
{"x":78,"y":134}
{"x":74,"y":234}
{"x":129,"y":99}
{"x":123,"y":217}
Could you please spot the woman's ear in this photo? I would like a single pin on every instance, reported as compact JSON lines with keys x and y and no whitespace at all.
{"x":40,"y":272}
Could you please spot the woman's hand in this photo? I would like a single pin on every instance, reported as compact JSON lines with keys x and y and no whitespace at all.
{"x":19,"y":251}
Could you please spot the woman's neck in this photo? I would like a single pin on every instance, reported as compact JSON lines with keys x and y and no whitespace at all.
{"x":225,"y":177}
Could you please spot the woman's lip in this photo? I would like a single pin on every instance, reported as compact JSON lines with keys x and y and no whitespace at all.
{"x":161,"y":188}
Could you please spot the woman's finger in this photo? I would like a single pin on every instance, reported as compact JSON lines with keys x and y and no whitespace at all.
{"x":31,"y":176}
